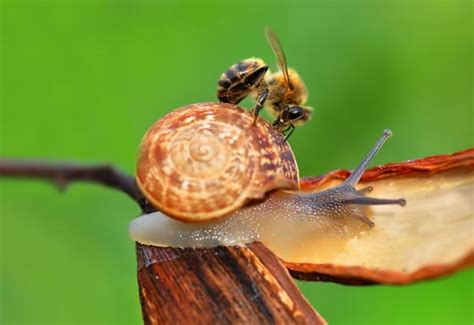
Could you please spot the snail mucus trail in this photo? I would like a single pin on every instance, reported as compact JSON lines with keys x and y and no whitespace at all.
{"x":285,"y":220}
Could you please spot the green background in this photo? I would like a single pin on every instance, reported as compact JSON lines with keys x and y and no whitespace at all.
{"x":84,"y":80}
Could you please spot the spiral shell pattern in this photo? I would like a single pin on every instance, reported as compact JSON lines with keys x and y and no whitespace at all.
{"x":206,"y":160}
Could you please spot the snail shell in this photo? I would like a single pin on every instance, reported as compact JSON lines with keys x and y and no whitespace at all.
{"x":204,"y":161}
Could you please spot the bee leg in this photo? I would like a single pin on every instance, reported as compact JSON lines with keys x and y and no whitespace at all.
{"x":291,"y":128}
{"x":260,"y":101}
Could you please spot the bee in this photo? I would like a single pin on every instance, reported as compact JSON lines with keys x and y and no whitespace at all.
{"x":282,"y":93}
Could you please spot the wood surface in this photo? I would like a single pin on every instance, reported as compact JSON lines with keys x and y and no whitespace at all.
{"x":221,"y":285}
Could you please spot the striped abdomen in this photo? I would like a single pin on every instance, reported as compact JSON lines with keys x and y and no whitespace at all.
{"x":240,"y":80}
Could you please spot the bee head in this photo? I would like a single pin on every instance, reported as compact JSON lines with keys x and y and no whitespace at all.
{"x":296,"y":114}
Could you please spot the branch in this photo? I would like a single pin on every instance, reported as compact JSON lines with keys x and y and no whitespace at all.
{"x":221,"y":285}
{"x":61,"y":174}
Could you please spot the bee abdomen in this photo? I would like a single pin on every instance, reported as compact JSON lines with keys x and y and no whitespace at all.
{"x":240,"y":79}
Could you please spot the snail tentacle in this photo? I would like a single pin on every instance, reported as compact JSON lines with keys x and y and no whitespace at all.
{"x":365,"y":190}
{"x":355,"y":176}
{"x":364,"y":200}
{"x":337,"y":200}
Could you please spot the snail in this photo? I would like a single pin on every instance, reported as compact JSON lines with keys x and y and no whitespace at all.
{"x":218,"y":179}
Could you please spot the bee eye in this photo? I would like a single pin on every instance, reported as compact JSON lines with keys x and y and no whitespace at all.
{"x":295,"y":113}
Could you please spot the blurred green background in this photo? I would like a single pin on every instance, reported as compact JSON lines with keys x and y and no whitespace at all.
{"x":83,"y":80}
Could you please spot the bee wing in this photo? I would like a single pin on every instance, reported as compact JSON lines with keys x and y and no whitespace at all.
{"x":277,"y":49}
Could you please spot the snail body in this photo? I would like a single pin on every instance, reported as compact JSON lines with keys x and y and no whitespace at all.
{"x":282,"y":216}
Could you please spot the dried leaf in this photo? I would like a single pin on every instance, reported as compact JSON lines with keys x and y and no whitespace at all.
{"x":430,"y":237}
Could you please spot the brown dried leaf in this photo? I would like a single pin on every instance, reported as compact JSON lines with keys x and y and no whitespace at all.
{"x":430,"y":237}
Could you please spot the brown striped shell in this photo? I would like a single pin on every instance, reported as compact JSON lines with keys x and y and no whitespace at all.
{"x":204,"y":161}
